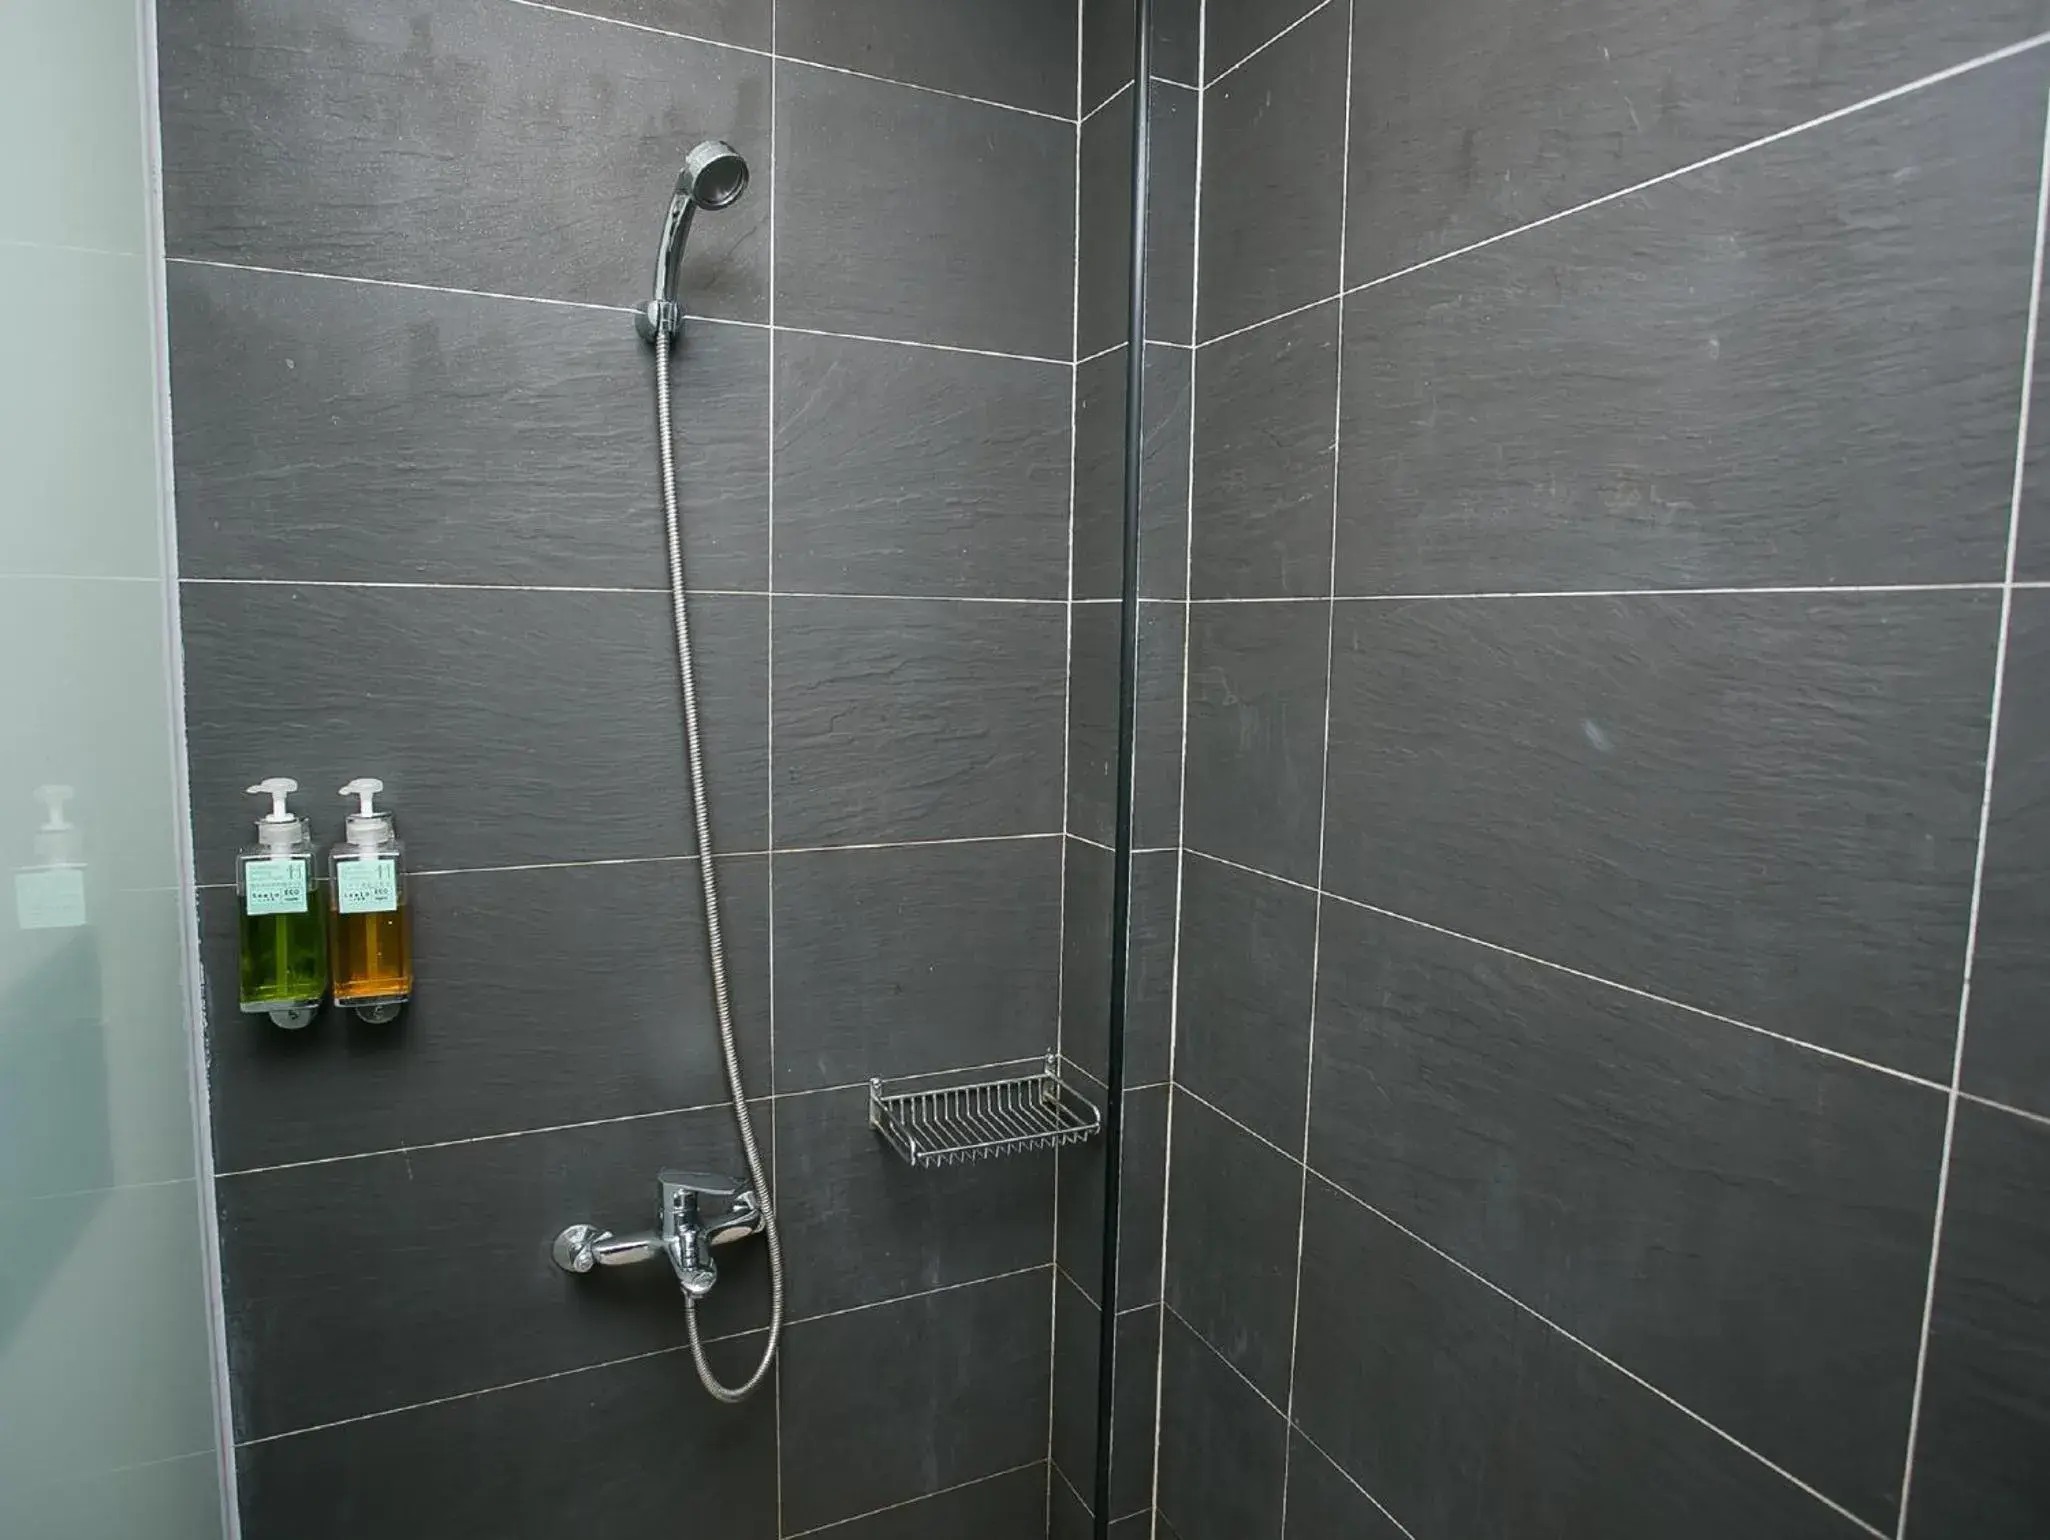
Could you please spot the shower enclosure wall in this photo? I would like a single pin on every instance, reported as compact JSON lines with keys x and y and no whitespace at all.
{"x":1581,"y":1068}
{"x":421,"y":538}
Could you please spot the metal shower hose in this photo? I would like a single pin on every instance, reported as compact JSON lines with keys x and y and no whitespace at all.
{"x":715,"y":943}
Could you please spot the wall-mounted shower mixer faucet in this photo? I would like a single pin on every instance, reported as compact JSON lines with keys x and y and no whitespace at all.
{"x":698,"y":1212}
{"x":713,"y":176}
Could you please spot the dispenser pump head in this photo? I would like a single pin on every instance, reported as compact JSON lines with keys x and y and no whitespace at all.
{"x":367,"y":825}
{"x":53,"y":799}
{"x":280,"y":826}
{"x":57,"y":840}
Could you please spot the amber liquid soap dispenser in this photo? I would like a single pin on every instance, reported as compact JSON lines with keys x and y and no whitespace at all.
{"x":284,"y":947}
{"x":370,"y":927}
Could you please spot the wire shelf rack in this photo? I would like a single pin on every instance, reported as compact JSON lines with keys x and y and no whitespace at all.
{"x":953,"y":1125}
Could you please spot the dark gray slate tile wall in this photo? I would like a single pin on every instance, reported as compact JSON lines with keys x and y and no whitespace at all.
{"x":1586,"y":760}
{"x":421,"y":539}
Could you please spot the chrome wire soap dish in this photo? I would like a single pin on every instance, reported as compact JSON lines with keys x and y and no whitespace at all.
{"x":950,"y":1126}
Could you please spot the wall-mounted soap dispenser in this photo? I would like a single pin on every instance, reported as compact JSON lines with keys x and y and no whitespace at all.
{"x":372,"y":934}
{"x":284,"y":944}
{"x":50,"y":895}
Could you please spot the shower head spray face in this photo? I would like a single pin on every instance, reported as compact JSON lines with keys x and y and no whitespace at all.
{"x":714,"y":175}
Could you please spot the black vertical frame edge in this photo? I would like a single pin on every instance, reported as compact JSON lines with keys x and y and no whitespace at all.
{"x":1128,"y":712}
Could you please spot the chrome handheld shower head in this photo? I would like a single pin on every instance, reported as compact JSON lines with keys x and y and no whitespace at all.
{"x":714,"y":175}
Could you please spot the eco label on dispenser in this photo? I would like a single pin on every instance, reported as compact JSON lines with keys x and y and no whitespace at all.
{"x":366,"y":887}
{"x":275,"y":886}
{"x":51,"y":899}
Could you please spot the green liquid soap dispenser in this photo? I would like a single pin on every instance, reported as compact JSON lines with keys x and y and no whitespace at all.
{"x":284,"y":942}
{"x":370,"y":924}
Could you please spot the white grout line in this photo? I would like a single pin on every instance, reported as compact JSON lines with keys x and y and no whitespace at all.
{"x":770,"y":325}
{"x":1348,"y":1475}
{"x":485,"y":588}
{"x":1174,"y":1009}
{"x":1637,"y":1379}
{"x":1964,"y":1003}
{"x":907,"y":342}
{"x":1114,"y":96}
{"x":1284,"y":32}
{"x":1988,"y":585}
{"x":640,"y":26}
{"x":911,"y":1502}
{"x":592,"y":588}
{"x":1323,"y":780}
{"x":2009,"y":1108}
{"x":944,"y":1288}
{"x":1137,"y":850}
{"x":399,"y":283}
{"x":762,"y":1100}
{"x":1866,"y":104}
{"x":912,"y":85}
{"x":488,"y":1390}
{"x":1579,"y":973}
{"x":783,"y":58}
{"x":1115,"y":347}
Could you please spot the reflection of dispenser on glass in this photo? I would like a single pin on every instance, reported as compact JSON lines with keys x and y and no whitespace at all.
{"x":284,"y":948}
{"x":50,"y":895}
{"x":372,"y":940}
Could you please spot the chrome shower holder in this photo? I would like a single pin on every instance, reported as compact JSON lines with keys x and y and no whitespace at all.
{"x":953,"y":1125}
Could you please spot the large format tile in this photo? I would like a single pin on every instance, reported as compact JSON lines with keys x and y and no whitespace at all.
{"x":545,"y":996}
{"x":1273,"y":182}
{"x":640,"y":1443}
{"x":1255,"y":743}
{"x":904,"y":470}
{"x":1100,"y":475}
{"x":1768,"y":373}
{"x":1011,"y":1506}
{"x":1142,"y":1190}
{"x":1222,"y":1448}
{"x":348,"y":431}
{"x":2007,"y":1053}
{"x":975,"y":250}
{"x":1326,"y":1504}
{"x":1103,"y":276}
{"x":1077,"y":1351}
{"x":1110,"y":36}
{"x":1260,"y":517}
{"x":1242,"y":1039}
{"x":1095,"y":666}
{"x":1763,"y":805}
{"x":360,"y":1285}
{"x":917,"y":719}
{"x":508,"y":727}
{"x":885,"y":1405}
{"x":1742,"y":1221}
{"x":859,"y":1225}
{"x":1022,"y":55}
{"x":455,"y":143}
{"x":1149,"y":970}
{"x":1477,"y":116}
{"x":1468,"y":1416}
{"x":914,"y":961}
{"x":1231,"y":1256}
{"x":1986,"y":1400}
